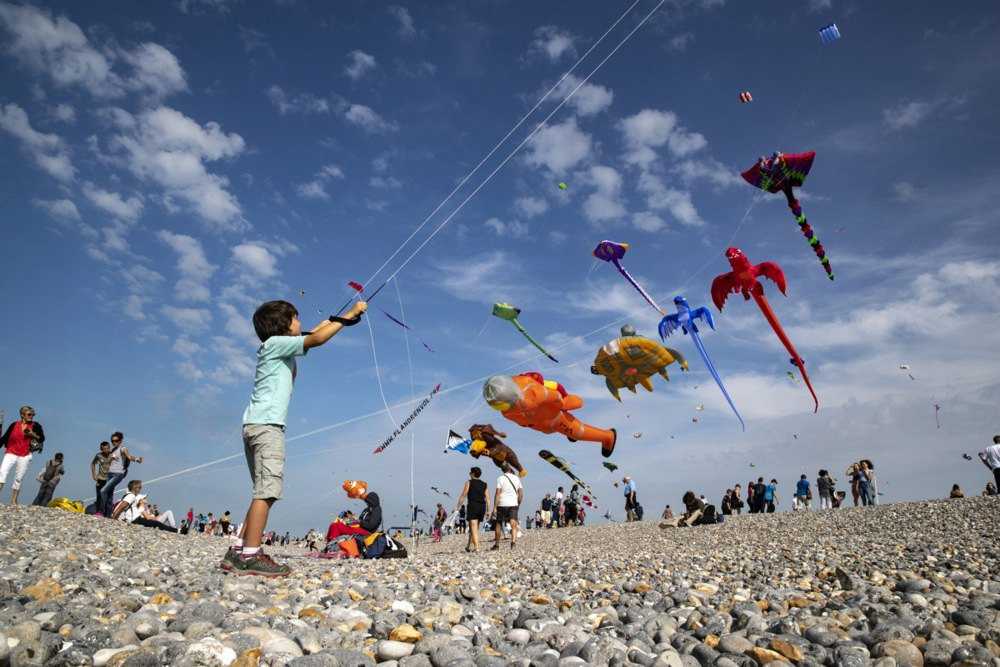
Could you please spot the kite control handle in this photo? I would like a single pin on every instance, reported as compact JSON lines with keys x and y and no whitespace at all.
{"x":345,"y":321}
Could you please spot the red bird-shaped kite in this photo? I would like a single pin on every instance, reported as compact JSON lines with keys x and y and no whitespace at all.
{"x":743,"y":279}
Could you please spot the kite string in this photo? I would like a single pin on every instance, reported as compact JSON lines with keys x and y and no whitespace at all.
{"x":502,"y":141}
{"x":524,"y":141}
{"x":378,"y":372}
{"x":413,"y":392}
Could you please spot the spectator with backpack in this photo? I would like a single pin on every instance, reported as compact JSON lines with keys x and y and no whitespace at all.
{"x":509,"y":495}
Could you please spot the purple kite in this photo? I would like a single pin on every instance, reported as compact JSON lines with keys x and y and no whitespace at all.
{"x":611,"y":251}
{"x":408,"y":328}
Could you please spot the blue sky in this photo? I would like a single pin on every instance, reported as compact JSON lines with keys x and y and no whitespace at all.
{"x":170,"y":166}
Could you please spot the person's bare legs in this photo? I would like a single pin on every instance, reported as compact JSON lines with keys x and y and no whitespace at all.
{"x":473,"y":535}
{"x":498,"y":530}
{"x":256,"y":519}
{"x":513,"y":532}
{"x":13,"y":496}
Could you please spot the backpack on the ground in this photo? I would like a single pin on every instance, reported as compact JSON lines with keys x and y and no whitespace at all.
{"x":394,"y":549}
{"x":373,"y":545}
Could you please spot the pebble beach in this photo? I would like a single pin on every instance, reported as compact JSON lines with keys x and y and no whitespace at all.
{"x":902,"y":585}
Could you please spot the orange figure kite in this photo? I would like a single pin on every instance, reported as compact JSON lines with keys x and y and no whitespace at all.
{"x":531,"y":401}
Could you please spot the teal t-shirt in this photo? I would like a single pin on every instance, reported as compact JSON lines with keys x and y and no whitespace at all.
{"x":273,"y":380}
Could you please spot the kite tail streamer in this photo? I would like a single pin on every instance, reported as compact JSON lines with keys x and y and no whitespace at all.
{"x":637,"y":286}
{"x":715,"y":374}
{"x":532,"y":340}
{"x":772,"y":319}
{"x":807,"y":231}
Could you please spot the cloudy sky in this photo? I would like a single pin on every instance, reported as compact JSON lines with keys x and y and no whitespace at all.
{"x":169,"y":166}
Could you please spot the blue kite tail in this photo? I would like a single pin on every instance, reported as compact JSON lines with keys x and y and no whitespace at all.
{"x":715,"y":374}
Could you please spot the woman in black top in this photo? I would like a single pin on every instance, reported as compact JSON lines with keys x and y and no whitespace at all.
{"x":478,"y":505}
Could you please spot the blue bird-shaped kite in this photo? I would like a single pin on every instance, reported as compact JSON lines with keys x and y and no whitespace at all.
{"x":684,"y":320}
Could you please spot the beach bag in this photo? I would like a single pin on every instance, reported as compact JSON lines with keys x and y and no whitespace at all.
{"x":394,"y":549}
{"x":67,"y":504}
{"x":638,"y":511}
{"x":374,"y":545}
{"x":350,"y":548}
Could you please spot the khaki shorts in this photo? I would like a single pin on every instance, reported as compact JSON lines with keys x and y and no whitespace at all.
{"x":264,"y":446}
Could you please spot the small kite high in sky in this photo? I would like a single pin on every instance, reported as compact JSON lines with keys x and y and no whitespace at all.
{"x":437,"y":490}
{"x":746,"y":97}
{"x":562,"y":186}
{"x":744,"y":279}
{"x":906,"y":367}
{"x":937,"y":415}
{"x":780,"y":173}
{"x":631,"y":360}
{"x":505,"y":311}
{"x":563,"y":465}
{"x":685,"y":319}
{"x":612,"y":251}
{"x":609,"y":465}
{"x":408,"y":328}
{"x":829,"y":34}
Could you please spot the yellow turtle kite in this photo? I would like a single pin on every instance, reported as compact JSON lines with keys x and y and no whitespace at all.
{"x":631,"y":360}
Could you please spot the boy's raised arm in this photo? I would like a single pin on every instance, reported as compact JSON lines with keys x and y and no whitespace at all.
{"x":326,"y":329}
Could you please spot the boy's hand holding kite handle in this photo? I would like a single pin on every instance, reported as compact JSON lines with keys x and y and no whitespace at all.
{"x":330,"y":327}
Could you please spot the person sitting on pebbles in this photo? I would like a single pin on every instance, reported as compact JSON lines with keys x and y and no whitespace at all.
{"x":956,"y":491}
{"x":486,"y":440}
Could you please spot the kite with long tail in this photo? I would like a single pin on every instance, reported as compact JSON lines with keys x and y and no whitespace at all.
{"x":563,"y":465}
{"x":780,"y":173}
{"x":744,"y":279}
{"x":407,"y":327}
{"x":505,"y":311}
{"x":685,"y":320}
{"x":612,"y":251}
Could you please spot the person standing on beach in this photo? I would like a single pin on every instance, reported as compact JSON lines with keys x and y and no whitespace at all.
{"x":864,"y":489}
{"x":117,"y":471}
{"x":825,"y":485}
{"x":991,"y":459}
{"x":509,"y":495}
{"x":474,"y":492}
{"x":22,"y":439}
{"x":49,"y":479}
{"x":803,"y":494}
{"x":440,"y":516}
{"x":736,"y":502}
{"x":99,"y":466}
{"x":546,"y":511}
{"x":630,"y":498}
{"x":557,"y":506}
{"x":771,"y":495}
{"x":281,"y":341}
{"x":872,"y":481}
{"x":855,"y":473}
{"x":759,"y":495}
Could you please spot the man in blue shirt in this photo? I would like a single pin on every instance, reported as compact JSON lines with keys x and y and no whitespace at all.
{"x":771,"y":495}
{"x":630,"y":499}
{"x":802,"y":494}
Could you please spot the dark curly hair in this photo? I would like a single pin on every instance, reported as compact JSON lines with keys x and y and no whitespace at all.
{"x":273,"y":318}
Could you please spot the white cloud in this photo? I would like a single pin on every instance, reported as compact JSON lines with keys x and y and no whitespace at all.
{"x":588,"y":100}
{"x":134,"y":307}
{"x":192,"y":264}
{"x":303,"y":103}
{"x":59,"y":48}
{"x":331,"y":171}
{"x":530,"y":207}
{"x":707,"y":170}
{"x":402,"y":14}
{"x":680,"y":42}
{"x":188,"y":319}
{"x":651,"y":129}
{"x":165,"y":147}
{"x":559,"y":147}
{"x":256,"y":259}
{"x":820,"y":5}
{"x":312,"y":190}
{"x":155,"y":71}
{"x":199,"y":6}
{"x":64,"y":113}
{"x":47,"y":150}
{"x":139,"y":279}
{"x":904,"y":191}
{"x":514,"y":228}
{"x":648,"y":221}
{"x":359,"y":64}
{"x":606,"y":203}
{"x":553,"y":43}
{"x":112,"y":203}
{"x":186,"y":347}
{"x":907,"y":114}
{"x":385,"y":182}
{"x":367,"y":119}
{"x":61,"y":209}
{"x":678,"y":203}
